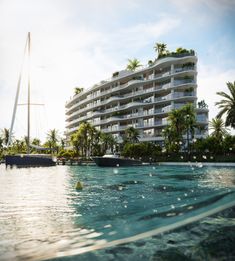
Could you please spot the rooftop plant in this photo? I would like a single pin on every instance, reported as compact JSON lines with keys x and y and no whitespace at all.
{"x":133,"y":64}
{"x":115,"y":74}
{"x":77,"y":90}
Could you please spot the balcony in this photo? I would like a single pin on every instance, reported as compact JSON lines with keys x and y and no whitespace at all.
{"x":182,"y":94}
{"x":185,"y":81}
{"x":202,"y":118}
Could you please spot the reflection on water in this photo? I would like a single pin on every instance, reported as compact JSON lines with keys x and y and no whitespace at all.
{"x":220,"y":177}
{"x":43,"y":216}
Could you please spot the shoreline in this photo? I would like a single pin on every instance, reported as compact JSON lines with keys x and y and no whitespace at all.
{"x":212,"y":164}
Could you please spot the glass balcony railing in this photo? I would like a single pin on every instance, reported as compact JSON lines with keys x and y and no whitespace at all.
{"x":184,"y":81}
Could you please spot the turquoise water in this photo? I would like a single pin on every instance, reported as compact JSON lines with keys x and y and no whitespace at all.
{"x":43,"y":216}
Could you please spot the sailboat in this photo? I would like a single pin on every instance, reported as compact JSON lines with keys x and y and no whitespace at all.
{"x":27,"y":160}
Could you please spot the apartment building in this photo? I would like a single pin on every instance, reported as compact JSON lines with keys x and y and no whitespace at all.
{"x":141,"y":99}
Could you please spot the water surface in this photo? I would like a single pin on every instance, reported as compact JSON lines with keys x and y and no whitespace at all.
{"x":43,"y":216}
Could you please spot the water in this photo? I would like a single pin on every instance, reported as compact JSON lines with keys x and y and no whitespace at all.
{"x":43,"y":216}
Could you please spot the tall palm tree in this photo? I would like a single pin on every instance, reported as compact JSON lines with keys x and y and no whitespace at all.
{"x":218,"y":127}
{"x":84,"y":139}
{"x":189,"y":122}
{"x":160,"y":48}
{"x":227,"y":105}
{"x":53,"y":137}
{"x":108,"y":141}
{"x":132,"y":135}
{"x":133,"y":64}
{"x":1,"y":143}
{"x":77,"y":142}
{"x":5,"y":136}
{"x":176,"y":119}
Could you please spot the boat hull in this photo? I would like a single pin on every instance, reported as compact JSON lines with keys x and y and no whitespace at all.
{"x":115,"y":162}
{"x":29,"y":161}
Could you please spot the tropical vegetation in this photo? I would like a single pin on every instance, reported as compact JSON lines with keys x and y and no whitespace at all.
{"x":133,"y":64}
{"x":227,"y":105}
{"x":161,"y":49}
{"x":179,"y":142}
{"x":78,"y":90}
{"x":219,"y":131}
{"x":181,"y":122}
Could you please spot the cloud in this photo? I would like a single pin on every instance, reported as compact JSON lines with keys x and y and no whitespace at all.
{"x":66,"y":51}
{"x":210,"y":81}
{"x":141,"y":34}
{"x":79,"y":43}
{"x":213,"y":5}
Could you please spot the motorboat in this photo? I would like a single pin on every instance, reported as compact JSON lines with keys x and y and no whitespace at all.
{"x":115,"y":160}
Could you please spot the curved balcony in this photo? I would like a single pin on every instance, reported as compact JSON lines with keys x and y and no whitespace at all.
{"x":190,"y":69}
{"x":168,"y":98}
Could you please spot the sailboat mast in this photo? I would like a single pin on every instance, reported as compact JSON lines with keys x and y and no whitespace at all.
{"x":28,"y":103}
{"x":17,"y":97}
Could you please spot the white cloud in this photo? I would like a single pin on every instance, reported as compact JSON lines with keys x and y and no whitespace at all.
{"x":64,"y":54}
{"x":214,"y":5}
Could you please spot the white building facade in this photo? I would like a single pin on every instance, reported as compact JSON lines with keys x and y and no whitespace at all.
{"x":141,"y":99}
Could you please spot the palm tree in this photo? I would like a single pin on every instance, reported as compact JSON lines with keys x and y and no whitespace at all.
{"x":77,"y":90}
{"x":5,"y":136}
{"x":132,"y":135}
{"x":19,"y":146}
{"x":108,"y":142}
{"x":52,"y":138}
{"x":176,"y":119}
{"x":84,"y":139}
{"x":160,"y":48}
{"x":1,"y":143}
{"x":36,"y":142}
{"x":171,"y":139}
{"x":133,"y":64}
{"x":189,"y":121}
{"x":218,"y":127}
{"x":227,"y":105}
{"x":76,"y":141}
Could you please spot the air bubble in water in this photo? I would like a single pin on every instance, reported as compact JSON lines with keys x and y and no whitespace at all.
{"x":199,"y":165}
{"x":172,"y":206}
{"x":115,"y":171}
{"x":178,"y":199}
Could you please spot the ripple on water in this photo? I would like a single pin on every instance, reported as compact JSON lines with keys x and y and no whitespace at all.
{"x":42,"y":215}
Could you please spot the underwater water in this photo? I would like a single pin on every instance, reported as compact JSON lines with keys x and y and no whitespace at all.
{"x":135,"y":213}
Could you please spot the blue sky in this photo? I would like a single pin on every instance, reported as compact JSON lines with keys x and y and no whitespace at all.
{"x":79,"y":43}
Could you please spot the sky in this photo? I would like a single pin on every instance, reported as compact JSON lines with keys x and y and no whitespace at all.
{"x":78,"y":43}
